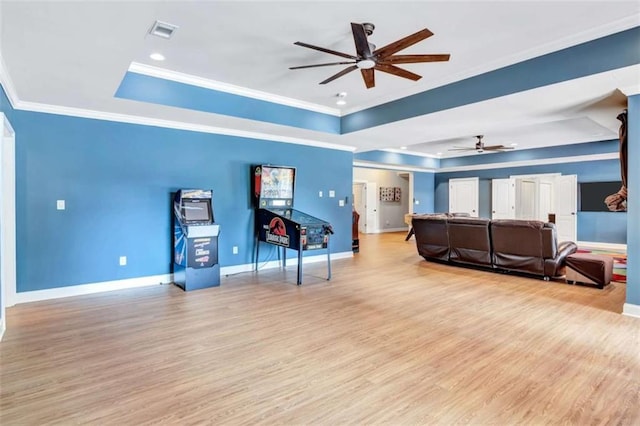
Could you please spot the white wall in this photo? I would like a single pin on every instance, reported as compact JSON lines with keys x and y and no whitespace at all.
{"x":390,"y":214}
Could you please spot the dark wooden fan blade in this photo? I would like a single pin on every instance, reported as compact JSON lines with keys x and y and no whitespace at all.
{"x":403,"y":43}
{"x":410,"y":59}
{"x":496,"y":147}
{"x":369,"y":78}
{"x":340,"y":74}
{"x":360,"y":39}
{"x":320,"y":65}
{"x":322,"y":49}
{"x":392,"y":69}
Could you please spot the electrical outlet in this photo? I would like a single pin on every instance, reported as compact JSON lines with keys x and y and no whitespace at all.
{"x":417,"y":202}
{"x":60,"y":204}
{"x":320,"y":194}
{"x":332,"y":194}
{"x":235,"y":249}
{"x":341,"y":203}
{"x":123,"y":260}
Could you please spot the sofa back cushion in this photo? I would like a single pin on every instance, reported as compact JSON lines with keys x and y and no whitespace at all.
{"x":469,"y":240}
{"x":517,"y":245}
{"x":432,"y":239}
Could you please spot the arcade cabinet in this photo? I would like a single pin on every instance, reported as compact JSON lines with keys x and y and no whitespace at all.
{"x":195,"y":240}
{"x":277,"y":223}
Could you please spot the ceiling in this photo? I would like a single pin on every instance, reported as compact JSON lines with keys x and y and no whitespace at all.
{"x":75,"y":54}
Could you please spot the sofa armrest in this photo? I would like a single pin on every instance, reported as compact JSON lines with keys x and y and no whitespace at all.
{"x":555,"y":267}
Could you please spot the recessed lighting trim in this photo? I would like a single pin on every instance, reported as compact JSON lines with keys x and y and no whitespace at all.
{"x":514,"y":144}
{"x":403,"y":147}
{"x":341,"y":102}
{"x":157,"y":56}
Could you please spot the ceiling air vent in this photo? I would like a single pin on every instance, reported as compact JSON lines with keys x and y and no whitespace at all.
{"x":163,"y":29}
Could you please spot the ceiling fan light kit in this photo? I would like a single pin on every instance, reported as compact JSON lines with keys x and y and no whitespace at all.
{"x":368,"y":58}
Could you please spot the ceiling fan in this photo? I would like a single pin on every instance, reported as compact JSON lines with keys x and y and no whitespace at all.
{"x":368,"y":58}
{"x":481,"y":147}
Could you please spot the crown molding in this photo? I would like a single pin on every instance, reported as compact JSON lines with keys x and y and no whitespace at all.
{"x":155,"y":122}
{"x":412,"y":153}
{"x":17,"y":104}
{"x":538,"y":162}
{"x":386,"y":166}
{"x":205,"y":83}
{"x":7,"y":84}
{"x":630,"y":90}
{"x":489,"y":166}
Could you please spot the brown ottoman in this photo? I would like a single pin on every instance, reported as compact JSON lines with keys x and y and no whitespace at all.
{"x":586,"y":268}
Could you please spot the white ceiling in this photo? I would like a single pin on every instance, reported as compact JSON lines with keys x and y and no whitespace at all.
{"x":75,"y":54}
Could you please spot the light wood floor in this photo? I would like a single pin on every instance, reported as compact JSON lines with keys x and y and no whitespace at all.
{"x":392,"y":339}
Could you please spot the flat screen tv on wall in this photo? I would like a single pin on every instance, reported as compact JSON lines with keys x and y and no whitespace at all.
{"x":592,"y":195}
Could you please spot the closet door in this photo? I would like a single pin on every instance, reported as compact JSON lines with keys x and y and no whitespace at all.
{"x":566,"y":204}
{"x":503,"y":196}
{"x":463,"y":196}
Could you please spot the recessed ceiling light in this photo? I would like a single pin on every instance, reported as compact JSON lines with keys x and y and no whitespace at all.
{"x":342,"y":95}
{"x":438,"y":153}
{"x":514,"y":144}
{"x":157,"y":56}
{"x":403,"y":147}
{"x":341,"y":102}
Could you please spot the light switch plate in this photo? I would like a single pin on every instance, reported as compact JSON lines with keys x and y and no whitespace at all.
{"x":332,"y":194}
{"x":60,"y":205}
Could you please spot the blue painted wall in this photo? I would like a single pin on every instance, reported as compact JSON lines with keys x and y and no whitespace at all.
{"x":423,"y":184}
{"x":633,"y":205}
{"x":117,"y":179}
{"x":606,"y":227}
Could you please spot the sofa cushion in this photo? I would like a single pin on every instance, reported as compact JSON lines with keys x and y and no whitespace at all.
{"x":469,"y":240}
{"x":517,"y":245}
{"x":432,"y":239}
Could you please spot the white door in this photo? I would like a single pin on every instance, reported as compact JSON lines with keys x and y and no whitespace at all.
{"x":463,"y":196}
{"x":503,"y":195}
{"x":566,"y":205}
{"x":359,"y":195}
{"x":527,"y":198}
{"x":545,"y":197}
{"x":371,"y":208}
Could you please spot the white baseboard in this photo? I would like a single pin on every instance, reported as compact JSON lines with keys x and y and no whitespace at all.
{"x":631,"y":310}
{"x":3,"y":327}
{"x":78,"y":290}
{"x":291,"y":261}
{"x":602,"y":246}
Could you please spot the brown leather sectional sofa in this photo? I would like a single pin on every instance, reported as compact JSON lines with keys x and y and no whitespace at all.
{"x":524,"y":246}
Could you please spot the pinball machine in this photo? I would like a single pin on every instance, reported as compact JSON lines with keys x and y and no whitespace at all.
{"x":278,"y":223}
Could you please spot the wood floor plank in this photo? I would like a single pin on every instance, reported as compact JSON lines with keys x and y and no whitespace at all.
{"x":391,"y":339}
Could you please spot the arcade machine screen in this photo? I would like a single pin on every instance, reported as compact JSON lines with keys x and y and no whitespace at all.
{"x":195,"y":210}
